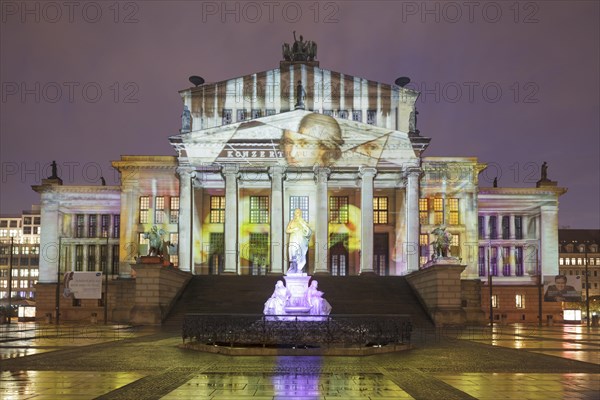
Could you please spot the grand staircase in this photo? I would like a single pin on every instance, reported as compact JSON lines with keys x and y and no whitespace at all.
{"x":347,"y":295}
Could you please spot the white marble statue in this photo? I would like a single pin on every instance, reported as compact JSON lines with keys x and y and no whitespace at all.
{"x":300,"y":233}
{"x":276,"y":304}
{"x":318,"y":305}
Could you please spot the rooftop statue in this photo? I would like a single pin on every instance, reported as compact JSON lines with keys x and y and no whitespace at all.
{"x":300,"y":50}
{"x":544,"y":174}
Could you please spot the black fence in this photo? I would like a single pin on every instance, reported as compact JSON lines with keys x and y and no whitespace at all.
{"x":257,"y":330}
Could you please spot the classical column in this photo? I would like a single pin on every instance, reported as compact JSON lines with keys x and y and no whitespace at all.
{"x":412,"y":218}
{"x":276,"y":174}
{"x":185,"y":218}
{"x":231,"y":175}
{"x":549,"y":240}
{"x":366,"y":219}
{"x":512,"y":226}
{"x":513,"y":261}
{"x":322,"y":221}
{"x":49,"y":238}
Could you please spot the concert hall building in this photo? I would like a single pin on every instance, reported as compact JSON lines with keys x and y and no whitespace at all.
{"x":346,"y":151}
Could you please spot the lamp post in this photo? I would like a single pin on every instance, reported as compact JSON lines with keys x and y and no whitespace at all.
{"x":10,"y":265}
{"x":490,"y":285}
{"x":106,"y":281}
{"x":587,"y":284}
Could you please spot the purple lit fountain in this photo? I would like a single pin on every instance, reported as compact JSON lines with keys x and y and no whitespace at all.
{"x":296,"y":299}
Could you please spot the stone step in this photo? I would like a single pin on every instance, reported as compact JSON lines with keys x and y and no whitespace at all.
{"x":347,"y":295}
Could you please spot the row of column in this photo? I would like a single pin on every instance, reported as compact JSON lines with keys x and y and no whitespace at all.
{"x":231,"y":175}
{"x":512,"y":226}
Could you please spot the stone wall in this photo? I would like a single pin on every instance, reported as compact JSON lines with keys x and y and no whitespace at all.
{"x":144,"y":300}
{"x":156,"y":290}
{"x":471,"y":301}
{"x":439,"y":289}
{"x":121,"y":298}
{"x":507,"y":311}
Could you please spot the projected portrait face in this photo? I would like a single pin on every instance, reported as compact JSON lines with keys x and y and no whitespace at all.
{"x":317,"y":142}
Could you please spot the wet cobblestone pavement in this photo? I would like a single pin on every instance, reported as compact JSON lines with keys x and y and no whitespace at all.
{"x":121,"y":362}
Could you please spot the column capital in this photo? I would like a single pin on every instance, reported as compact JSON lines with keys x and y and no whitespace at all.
{"x":185,"y":172}
{"x":230,"y":170}
{"x":412,"y":171}
{"x":321,"y":173}
{"x":366,"y":171}
{"x":276,"y":170}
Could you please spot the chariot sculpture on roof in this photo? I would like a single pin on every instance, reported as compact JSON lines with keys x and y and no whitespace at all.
{"x":300,"y":50}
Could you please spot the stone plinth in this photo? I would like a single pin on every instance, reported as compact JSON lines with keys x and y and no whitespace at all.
{"x":297,"y":284}
{"x":439,"y":289}
{"x":156,"y":290}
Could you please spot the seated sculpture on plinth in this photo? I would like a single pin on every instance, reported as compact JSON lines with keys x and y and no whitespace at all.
{"x":276,"y":304}
{"x":314,"y":297}
{"x":300,"y":234}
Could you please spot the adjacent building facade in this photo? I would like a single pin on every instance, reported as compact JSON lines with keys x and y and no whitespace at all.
{"x":19,"y":254}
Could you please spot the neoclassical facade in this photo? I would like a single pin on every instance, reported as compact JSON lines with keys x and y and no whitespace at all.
{"x":345,"y":150}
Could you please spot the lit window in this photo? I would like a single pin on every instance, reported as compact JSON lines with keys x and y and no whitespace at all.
{"x":455,"y":245}
{"x":79,"y":257}
{"x":495,"y":302}
{"x":116,"y":226}
{"x":300,"y":202}
{"x":453,"y":217}
{"x":144,"y":207}
{"x":520,"y":301}
{"x":423,"y":211}
{"x":580,"y":261}
{"x":424,"y":248}
{"x":561,"y":261}
{"x":217,"y":209}
{"x":438,"y":211}
{"x":159,"y":209}
{"x":259,"y":209}
{"x":380,"y":210}
{"x":338,"y":209}
{"x":104,"y":225}
{"x":92,"y":225}
{"x":79,"y":225}
{"x":174,"y":210}
{"x":567,"y":261}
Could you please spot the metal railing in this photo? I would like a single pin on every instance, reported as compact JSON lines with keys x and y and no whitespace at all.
{"x":257,"y":330}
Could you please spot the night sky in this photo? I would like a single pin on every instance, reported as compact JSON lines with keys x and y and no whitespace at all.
{"x":512,"y":83}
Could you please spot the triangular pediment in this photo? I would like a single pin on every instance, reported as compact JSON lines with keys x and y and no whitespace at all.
{"x":297,"y":138}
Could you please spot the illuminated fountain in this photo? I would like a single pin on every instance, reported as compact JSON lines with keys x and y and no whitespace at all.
{"x":296,"y":299}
